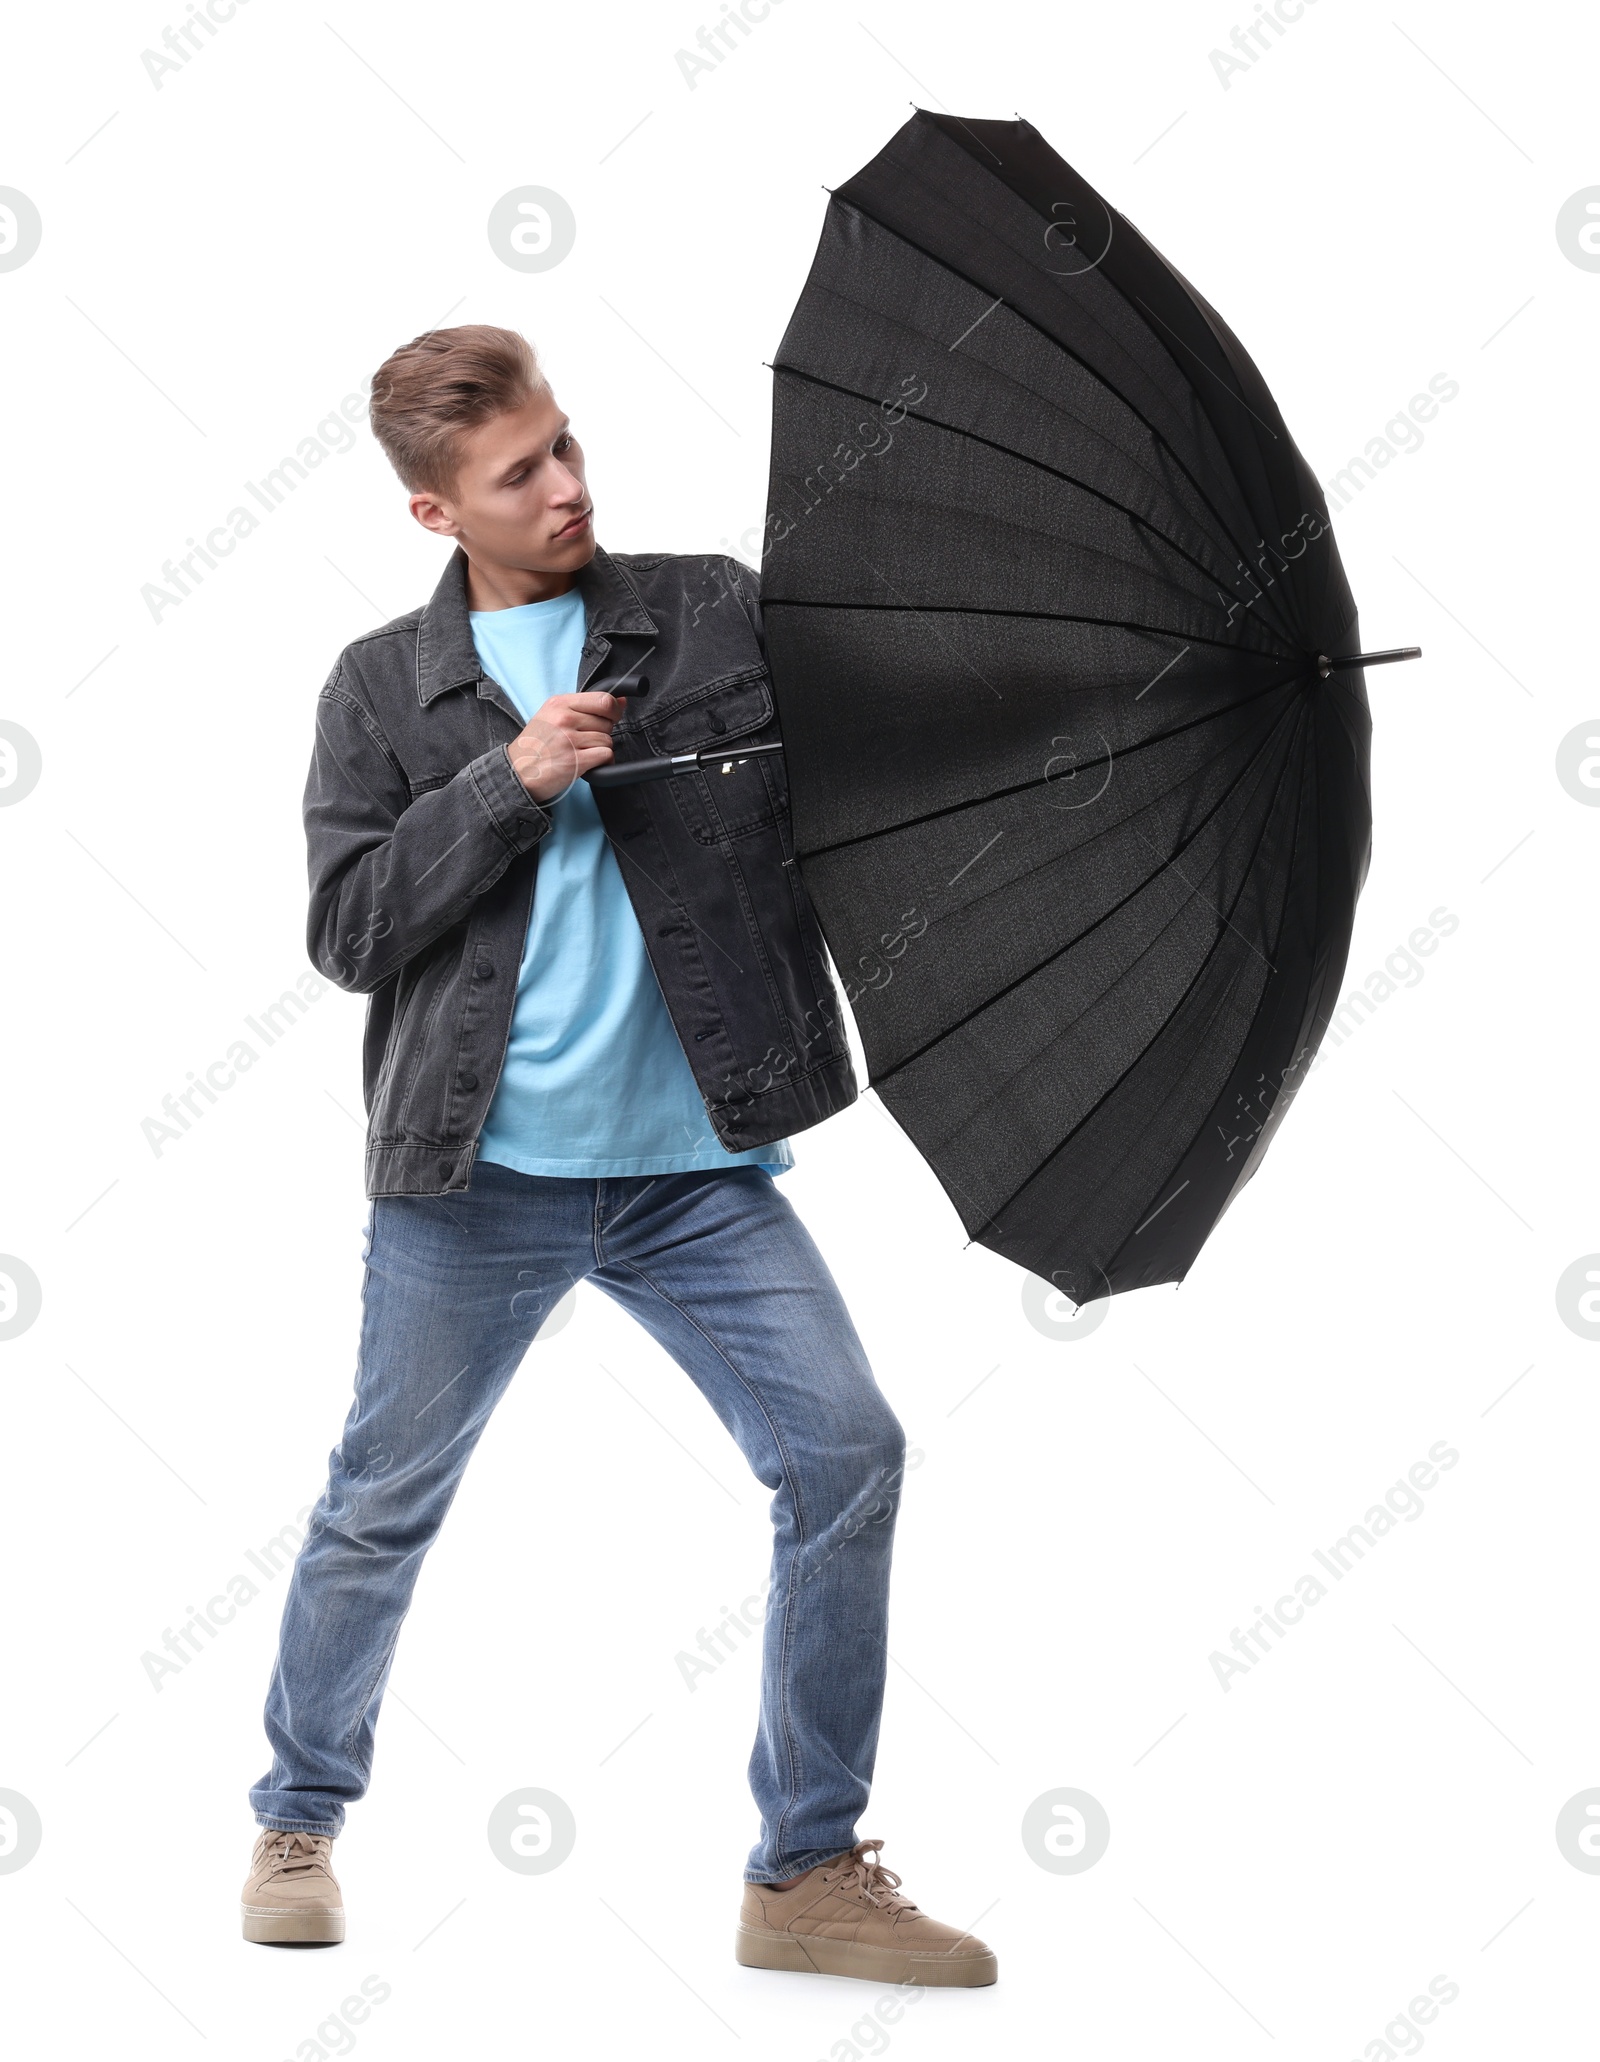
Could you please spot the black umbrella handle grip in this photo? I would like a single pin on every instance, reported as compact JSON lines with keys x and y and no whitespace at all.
{"x":630,"y":772}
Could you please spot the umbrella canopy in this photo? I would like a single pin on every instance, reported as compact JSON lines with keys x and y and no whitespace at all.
{"x":1079,"y":800}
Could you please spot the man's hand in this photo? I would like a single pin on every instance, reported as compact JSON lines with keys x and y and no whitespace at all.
{"x":570,"y":734}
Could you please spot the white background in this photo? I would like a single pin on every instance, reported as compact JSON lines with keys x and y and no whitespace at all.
{"x":1374,"y":1804}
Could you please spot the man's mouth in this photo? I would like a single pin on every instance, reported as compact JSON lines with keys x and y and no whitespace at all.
{"x":577,"y":525}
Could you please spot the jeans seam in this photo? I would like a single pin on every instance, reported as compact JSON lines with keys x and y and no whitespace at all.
{"x":792,"y":1475}
{"x":783,"y":1697}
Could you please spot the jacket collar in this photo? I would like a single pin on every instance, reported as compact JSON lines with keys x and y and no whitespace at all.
{"x":447,"y":656}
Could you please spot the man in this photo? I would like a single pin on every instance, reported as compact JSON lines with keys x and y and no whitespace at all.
{"x":593,"y":1015}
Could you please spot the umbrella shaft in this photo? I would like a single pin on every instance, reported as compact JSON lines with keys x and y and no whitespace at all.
{"x":630,"y":772}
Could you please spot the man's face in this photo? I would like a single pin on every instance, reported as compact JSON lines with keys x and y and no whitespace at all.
{"x":519,"y":498}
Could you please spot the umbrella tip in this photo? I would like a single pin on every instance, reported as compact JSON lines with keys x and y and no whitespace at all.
{"x":1325,"y":665}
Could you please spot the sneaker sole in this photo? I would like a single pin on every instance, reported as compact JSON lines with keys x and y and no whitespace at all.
{"x":819,"y":1957}
{"x":273,"y":1926}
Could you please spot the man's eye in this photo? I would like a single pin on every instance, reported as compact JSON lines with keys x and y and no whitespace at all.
{"x":562,"y":442}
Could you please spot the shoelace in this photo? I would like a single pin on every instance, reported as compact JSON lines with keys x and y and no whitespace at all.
{"x":296,"y":1854}
{"x":863,"y":1871}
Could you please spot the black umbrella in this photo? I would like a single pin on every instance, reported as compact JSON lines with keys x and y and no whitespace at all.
{"x":1075,"y":731}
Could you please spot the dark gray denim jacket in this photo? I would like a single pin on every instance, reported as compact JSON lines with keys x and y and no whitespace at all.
{"x":423,"y":849}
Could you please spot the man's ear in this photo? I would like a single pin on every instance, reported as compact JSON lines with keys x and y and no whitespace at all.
{"x":434,"y":514}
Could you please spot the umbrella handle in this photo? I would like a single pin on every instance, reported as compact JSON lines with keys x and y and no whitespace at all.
{"x":630,"y":772}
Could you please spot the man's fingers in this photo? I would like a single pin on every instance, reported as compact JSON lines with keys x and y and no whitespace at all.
{"x":578,"y":713}
{"x":569,"y":736}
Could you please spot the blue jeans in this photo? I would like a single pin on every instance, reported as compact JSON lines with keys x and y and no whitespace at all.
{"x":721,"y":1272}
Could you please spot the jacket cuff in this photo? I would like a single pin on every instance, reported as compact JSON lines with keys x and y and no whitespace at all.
{"x":519,"y":819}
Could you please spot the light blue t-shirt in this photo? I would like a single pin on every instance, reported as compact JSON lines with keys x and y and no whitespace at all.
{"x":595,"y":1082}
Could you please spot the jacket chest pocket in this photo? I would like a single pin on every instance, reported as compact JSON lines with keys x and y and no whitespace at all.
{"x":718,"y":803}
{"x":463,"y":730}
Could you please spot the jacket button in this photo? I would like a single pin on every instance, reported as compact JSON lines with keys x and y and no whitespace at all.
{"x":486,"y":970}
{"x":469,"y":1081}
{"x":717,"y":722}
{"x":446,"y":1169}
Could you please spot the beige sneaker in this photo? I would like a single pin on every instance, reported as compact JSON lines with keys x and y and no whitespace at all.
{"x":846,"y":1917}
{"x":291,"y":1897}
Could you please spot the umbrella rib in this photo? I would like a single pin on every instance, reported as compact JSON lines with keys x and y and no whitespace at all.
{"x":1125,"y":823}
{"x":1028,"y":973}
{"x":1156,"y":737}
{"x":1136,"y":461}
{"x":1099,"y":1102}
{"x":1022,"y":458}
{"x":1217,"y":376}
{"x":993,"y":1218}
{"x":959,"y":608}
{"x":956,"y":272}
{"x":1195,"y":1135}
